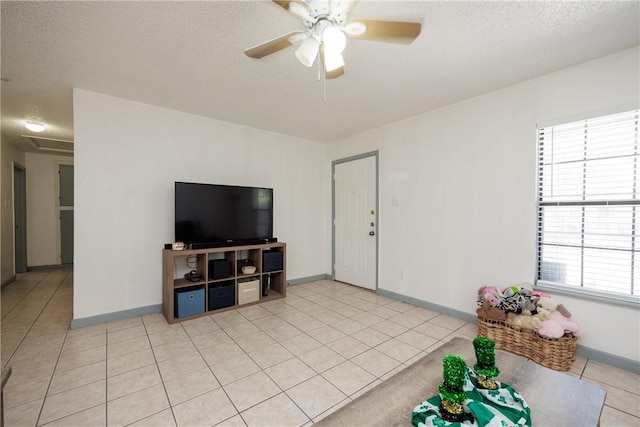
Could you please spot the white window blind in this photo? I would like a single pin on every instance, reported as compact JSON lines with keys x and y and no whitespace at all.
{"x":589,"y":205}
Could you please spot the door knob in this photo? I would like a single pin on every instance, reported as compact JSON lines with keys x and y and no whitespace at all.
{"x":372,"y":233}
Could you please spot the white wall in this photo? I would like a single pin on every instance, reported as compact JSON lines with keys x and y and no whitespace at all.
{"x":127,"y":157}
{"x":8,"y":155}
{"x":464,"y":177}
{"x":43,"y":223}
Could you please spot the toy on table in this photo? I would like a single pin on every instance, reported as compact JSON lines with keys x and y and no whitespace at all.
{"x":454,"y":371}
{"x":463,"y":402}
{"x":486,"y":362}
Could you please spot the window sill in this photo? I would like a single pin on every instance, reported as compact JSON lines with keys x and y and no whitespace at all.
{"x":626,"y":300}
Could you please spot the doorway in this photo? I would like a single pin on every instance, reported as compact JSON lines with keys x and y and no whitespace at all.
{"x":355,"y":220}
{"x":66,"y":213}
{"x":20,"y":217}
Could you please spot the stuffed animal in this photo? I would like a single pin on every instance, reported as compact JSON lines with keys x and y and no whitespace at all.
{"x":542,"y":314}
{"x":552,"y":305}
{"x":491,"y":294}
{"x":524,"y":320}
{"x":490,"y":313}
{"x":558,"y":324}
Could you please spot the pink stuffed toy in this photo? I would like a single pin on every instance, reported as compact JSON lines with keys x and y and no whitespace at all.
{"x":489,"y":293}
{"x":558,"y":324}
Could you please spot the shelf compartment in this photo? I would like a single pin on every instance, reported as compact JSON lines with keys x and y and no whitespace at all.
{"x":272,"y":260}
{"x":220,"y":265}
{"x":273,"y":281}
{"x":221,"y":295}
{"x":189,"y":301}
{"x":248,"y":257}
{"x":273,"y":295}
{"x":186,"y":263}
{"x":248,"y":291}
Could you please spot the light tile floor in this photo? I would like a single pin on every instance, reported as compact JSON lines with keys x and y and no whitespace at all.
{"x":288,"y":362}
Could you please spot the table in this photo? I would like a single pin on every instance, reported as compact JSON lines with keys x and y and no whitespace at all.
{"x":555,"y":398}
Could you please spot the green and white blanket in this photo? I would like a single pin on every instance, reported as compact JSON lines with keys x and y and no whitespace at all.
{"x":501,"y":407}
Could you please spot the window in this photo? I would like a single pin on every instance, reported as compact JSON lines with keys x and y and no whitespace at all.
{"x":589,"y":206}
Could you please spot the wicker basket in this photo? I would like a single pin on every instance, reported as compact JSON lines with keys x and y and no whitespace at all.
{"x":554,"y":353}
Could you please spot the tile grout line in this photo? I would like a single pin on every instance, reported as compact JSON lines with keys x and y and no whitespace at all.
{"x":46,"y":394}
{"x":33,"y":322}
{"x":325,"y":291}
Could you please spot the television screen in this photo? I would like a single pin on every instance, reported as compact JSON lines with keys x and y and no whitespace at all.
{"x":222,"y":214}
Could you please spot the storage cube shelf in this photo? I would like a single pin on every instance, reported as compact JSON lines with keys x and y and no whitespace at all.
{"x":220,"y":284}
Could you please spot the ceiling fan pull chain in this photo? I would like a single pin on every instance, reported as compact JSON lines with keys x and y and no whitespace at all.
{"x":324,"y":78}
{"x":324,"y":86}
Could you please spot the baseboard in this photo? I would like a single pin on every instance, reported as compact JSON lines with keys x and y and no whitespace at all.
{"x":118,"y":315}
{"x":470,"y":318}
{"x":48,"y":267}
{"x":582,"y":351}
{"x":142,"y":311}
{"x":308,"y":279}
{"x":7,"y":282}
{"x":609,"y":359}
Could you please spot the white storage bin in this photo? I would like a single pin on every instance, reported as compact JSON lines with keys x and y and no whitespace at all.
{"x":248,"y":291}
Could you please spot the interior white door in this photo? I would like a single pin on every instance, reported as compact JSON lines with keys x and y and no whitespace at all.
{"x":355,"y":222}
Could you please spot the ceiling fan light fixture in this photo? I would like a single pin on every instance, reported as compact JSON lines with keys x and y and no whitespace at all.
{"x":34,"y":126}
{"x":333,"y":60}
{"x":308,"y":51}
{"x":356,"y":28}
{"x":334,"y":39}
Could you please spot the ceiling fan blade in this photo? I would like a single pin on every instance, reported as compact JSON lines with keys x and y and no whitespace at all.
{"x":343,"y":6}
{"x":272,"y":46}
{"x":297,"y":9}
{"x":387,"y":31}
{"x":283,"y":4}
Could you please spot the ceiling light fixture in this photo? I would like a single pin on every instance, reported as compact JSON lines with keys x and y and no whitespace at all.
{"x":333,"y":60}
{"x":334,"y":39}
{"x":334,"y":42}
{"x":326,"y":27}
{"x":35,"y":126}
{"x":308,"y":51}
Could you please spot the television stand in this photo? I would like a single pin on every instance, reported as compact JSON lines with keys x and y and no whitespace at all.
{"x":222,"y":285}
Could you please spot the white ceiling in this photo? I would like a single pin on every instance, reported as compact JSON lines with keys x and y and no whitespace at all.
{"x":188,"y":56}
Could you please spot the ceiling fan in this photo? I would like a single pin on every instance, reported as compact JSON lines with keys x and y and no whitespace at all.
{"x":326,"y":28}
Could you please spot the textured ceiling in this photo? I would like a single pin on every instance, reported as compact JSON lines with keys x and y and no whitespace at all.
{"x":188,"y":56}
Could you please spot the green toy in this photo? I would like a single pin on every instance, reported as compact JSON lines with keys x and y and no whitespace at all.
{"x":454,"y":370}
{"x":486,"y":367}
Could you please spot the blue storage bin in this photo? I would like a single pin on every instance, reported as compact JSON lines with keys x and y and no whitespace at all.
{"x":189,"y":301}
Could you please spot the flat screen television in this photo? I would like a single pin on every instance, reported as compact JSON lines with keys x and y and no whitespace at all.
{"x":210,"y":215}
